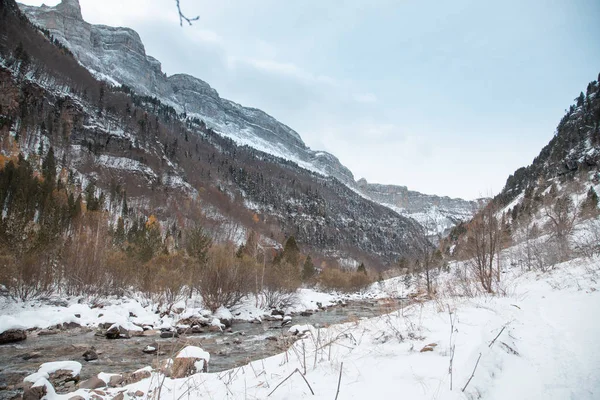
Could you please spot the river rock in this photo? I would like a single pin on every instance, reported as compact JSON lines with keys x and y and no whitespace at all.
{"x":277,"y":312}
{"x":128,"y":379}
{"x":70,"y":325}
{"x":115,"y":381}
{"x":189,"y":361}
{"x":197,"y":329}
{"x":63,"y":379}
{"x":306,"y":313}
{"x":116,"y":331}
{"x":92,"y":383}
{"x":90,"y":354}
{"x":169,"y":334}
{"x":105,"y":325}
{"x":34,"y":393}
{"x":47,"y":332}
{"x":31,"y":356}
{"x":151,"y":348}
{"x":183,"y":329}
{"x":136,"y":376}
{"x":12,"y":336}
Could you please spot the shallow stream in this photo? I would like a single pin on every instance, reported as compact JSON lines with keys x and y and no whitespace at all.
{"x":246,"y":342}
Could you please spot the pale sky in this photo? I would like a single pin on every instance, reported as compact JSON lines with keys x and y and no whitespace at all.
{"x":445,"y":97}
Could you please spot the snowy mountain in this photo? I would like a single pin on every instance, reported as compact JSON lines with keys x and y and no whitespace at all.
{"x":117,"y":55}
{"x":139,"y":156}
{"x":438,"y":214}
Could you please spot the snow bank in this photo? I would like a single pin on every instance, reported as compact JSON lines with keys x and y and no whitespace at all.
{"x":48,"y":368}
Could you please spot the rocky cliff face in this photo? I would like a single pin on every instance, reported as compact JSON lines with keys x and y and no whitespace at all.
{"x":437,"y":214}
{"x":118,"y":56}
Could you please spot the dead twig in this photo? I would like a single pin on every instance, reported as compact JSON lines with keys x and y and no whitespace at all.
{"x":452,"y":345}
{"x":288,"y":377}
{"x":497,"y":336}
{"x":182,"y":17}
{"x":339,"y":381}
{"x":473,"y":374}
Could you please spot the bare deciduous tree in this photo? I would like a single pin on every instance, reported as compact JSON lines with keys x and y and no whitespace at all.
{"x":561,"y":214}
{"x":483,"y":239}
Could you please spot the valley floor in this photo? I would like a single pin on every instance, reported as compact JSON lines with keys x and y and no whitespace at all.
{"x":540,"y":341}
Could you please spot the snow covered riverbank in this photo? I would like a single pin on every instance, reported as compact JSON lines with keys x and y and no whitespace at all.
{"x":537,"y":342}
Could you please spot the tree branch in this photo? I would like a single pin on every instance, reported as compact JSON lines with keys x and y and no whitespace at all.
{"x":182,"y":16}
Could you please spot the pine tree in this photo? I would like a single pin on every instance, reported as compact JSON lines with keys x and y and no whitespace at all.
{"x":589,"y":207}
{"x":49,"y":167}
{"x":291,"y":251}
{"x":120,"y":232}
{"x":308,"y":269}
{"x":362,"y":268}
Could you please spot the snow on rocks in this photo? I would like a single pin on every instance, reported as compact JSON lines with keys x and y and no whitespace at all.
{"x":62,"y":375}
{"x":190,"y":360}
{"x":300,"y":329}
{"x":225,"y":316}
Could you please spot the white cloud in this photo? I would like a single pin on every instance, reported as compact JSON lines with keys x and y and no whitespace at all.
{"x":365,"y":98}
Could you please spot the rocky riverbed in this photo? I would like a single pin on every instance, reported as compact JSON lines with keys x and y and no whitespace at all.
{"x":237,"y":345}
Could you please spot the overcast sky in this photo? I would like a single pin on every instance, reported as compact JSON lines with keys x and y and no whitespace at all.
{"x":445,"y":97}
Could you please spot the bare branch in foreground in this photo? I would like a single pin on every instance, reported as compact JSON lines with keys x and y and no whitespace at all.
{"x":288,"y":377}
{"x":182,"y":16}
{"x":339,"y":381}
{"x":473,"y":374}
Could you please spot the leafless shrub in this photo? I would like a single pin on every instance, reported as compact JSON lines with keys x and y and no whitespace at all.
{"x":225,"y":280}
{"x":344,"y":281}
{"x":587,"y":241}
{"x":281,"y":281}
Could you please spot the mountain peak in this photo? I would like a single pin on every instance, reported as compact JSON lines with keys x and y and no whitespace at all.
{"x":70,"y":8}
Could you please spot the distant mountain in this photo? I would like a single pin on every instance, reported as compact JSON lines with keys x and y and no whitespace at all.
{"x":436,"y":213}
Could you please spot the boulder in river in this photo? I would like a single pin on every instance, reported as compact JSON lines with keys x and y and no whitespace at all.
{"x":90,"y":354}
{"x":169,"y":334}
{"x":116,"y":331}
{"x":151,"y":348}
{"x":12,"y":336}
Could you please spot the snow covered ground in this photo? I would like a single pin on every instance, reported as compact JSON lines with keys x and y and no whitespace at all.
{"x":540,"y":341}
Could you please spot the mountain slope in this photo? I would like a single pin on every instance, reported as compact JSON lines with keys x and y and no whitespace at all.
{"x":548,"y":197}
{"x":140,"y":152}
{"x":118,"y":55}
